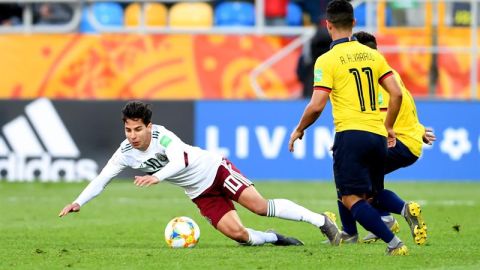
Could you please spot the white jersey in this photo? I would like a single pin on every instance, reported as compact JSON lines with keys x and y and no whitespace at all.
{"x":167,"y":158}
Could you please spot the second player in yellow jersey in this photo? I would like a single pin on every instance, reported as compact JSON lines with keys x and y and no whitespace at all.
{"x":407,"y":127}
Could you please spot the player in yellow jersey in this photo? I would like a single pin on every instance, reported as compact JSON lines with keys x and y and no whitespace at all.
{"x":350,"y":74}
{"x":411,"y":135}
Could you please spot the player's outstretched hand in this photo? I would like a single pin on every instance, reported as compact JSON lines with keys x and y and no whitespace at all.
{"x":296,"y":134}
{"x":146,"y":180}
{"x":392,"y":138}
{"x":429,"y":137}
{"x":73,"y":207}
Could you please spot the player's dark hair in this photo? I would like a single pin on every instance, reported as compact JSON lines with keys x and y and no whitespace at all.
{"x":366,"y":39}
{"x":340,"y":14}
{"x":137,"y":110}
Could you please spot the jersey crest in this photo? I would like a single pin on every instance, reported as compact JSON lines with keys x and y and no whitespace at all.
{"x":165,"y":141}
{"x":380,"y":99}
{"x":318,"y":74}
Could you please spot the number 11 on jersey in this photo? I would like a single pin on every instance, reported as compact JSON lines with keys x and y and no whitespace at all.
{"x":371,"y":89}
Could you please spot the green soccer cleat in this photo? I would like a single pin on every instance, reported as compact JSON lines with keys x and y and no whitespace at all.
{"x":284,"y":240}
{"x":399,"y":250}
{"x":413,"y":216}
{"x":330,"y":229}
{"x":392,"y":225}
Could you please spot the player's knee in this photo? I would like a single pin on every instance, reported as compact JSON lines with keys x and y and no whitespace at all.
{"x":350,"y":200}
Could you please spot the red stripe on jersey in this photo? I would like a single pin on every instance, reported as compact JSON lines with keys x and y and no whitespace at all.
{"x":384,"y":76}
{"x":185,"y":158}
{"x":383,"y":109}
{"x":322,"y":88}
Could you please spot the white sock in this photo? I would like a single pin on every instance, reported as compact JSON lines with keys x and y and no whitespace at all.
{"x":388,"y":218}
{"x":403,"y":210}
{"x":257,"y":238}
{"x":394,"y":243}
{"x":287,"y":209}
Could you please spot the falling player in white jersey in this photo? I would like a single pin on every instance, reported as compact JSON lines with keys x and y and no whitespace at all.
{"x":212,"y":182}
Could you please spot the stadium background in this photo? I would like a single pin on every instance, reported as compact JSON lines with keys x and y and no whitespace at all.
{"x":235,"y":71}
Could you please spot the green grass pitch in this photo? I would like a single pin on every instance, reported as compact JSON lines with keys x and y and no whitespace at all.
{"x":123,"y":229}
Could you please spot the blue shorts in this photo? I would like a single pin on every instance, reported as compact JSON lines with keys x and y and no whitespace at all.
{"x":399,"y":157}
{"x":359,"y":162}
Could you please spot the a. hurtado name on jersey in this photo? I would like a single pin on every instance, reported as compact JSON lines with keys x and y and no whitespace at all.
{"x":356,"y":57}
{"x":37,"y":146}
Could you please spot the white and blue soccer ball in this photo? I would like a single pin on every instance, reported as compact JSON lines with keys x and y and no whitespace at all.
{"x":182,"y":232}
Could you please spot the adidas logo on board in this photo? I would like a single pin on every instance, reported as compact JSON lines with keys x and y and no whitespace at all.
{"x":37,"y":145}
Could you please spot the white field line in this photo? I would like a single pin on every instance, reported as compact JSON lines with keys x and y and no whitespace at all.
{"x":129,"y":200}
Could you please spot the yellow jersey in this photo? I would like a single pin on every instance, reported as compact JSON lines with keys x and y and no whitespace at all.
{"x":407,"y":126}
{"x":351,"y":73}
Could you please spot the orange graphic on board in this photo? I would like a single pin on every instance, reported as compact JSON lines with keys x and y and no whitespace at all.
{"x":122,"y":66}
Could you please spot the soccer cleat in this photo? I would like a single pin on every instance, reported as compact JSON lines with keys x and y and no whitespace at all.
{"x":392,"y":225}
{"x":413,"y":216}
{"x":399,"y":250}
{"x":285,"y":241}
{"x":346,"y":238}
{"x":330,"y":229}
{"x":349,"y":239}
{"x":331,"y":215}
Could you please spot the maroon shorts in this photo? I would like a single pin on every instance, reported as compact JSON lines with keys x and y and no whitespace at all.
{"x":216,"y":200}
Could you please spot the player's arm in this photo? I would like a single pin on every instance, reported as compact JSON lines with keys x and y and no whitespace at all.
{"x":310,"y":115}
{"x":95,"y":187}
{"x":177,"y":161}
{"x":390,"y":84}
{"x":323,"y":84}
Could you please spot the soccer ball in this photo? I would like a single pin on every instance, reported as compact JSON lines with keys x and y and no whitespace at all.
{"x":182,"y":232}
